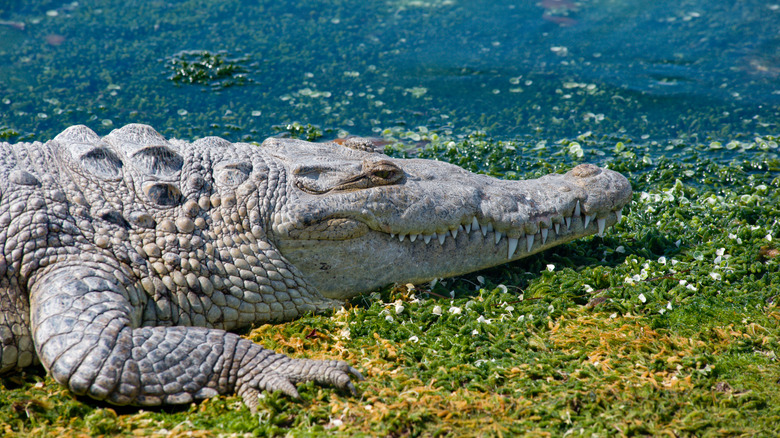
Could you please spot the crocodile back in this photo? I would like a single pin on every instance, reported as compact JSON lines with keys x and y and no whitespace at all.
{"x":21,"y":236}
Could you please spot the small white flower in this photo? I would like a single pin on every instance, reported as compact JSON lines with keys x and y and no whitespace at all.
{"x":474,"y":332}
{"x":669,"y":305}
{"x":414,"y":339}
{"x":621,"y":249}
{"x":437,"y":310}
{"x":628,"y":280}
{"x":715,"y":276}
{"x":683,"y":282}
{"x":399,"y":308}
{"x":520,"y":318}
{"x":550,"y":268}
{"x":642,"y":298}
{"x":345,"y":333}
{"x":510,"y":309}
{"x":389,"y":318}
{"x":692,"y":287}
{"x":502,"y":288}
{"x":768,"y":237}
{"x":588,"y":288}
{"x":662,"y":311}
{"x":662,"y":260}
{"x":482,"y":319}
{"x":480,"y":279}
{"x":455,"y":310}
{"x":720,"y":251}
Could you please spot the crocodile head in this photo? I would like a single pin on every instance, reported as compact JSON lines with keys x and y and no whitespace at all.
{"x":354,"y":219}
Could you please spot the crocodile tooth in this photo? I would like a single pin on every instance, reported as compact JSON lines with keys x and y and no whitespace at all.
{"x":588,"y":218}
{"x":529,"y":241}
{"x":568,"y":222}
{"x":602,"y":224}
{"x":392,"y":235}
{"x":619,"y":215}
{"x":427,"y":238}
{"x":512,"y":246}
{"x":442,"y":236}
{"x":454,"y":232}
{"x":557,"y":228}
{"x":467,"y":227}
{"x":544,"y":235}
{"x":484,"y":229}
{"x":498,"y":235}
{"x":576,"y":209}
{"x":490,"y":226}
{"x":412,"y":237}
{"x":474,"y":224}
{"x":401,"y":237}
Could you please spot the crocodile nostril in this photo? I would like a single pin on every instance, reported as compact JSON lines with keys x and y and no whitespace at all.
{"x":585,"y":170}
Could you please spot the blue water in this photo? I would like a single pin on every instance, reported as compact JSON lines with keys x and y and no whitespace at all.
{"x":546,"y":69}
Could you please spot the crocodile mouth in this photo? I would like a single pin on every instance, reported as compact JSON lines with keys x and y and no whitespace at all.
{"x":527,"y":236}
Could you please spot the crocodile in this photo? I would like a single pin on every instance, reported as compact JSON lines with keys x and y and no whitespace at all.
{"x":128,"y":260}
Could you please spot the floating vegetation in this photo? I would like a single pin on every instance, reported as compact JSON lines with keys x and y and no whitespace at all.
{"x":306,"y":132}
{"x":202,"y":67}
{"x":6,"y":134}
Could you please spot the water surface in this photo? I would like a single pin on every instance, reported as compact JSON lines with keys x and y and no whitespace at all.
{"x":541,"y":70}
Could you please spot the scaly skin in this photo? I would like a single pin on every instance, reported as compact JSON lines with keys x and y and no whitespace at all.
{"x":124,"y":260}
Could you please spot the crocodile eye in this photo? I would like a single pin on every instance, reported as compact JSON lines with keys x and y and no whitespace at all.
{"x":384,"y":172}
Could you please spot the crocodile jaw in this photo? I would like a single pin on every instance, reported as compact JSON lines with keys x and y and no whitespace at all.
{"x":436,"y":227}
{"x":377,"y":258}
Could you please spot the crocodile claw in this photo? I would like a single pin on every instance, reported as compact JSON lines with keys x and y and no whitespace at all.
{"x":287,"y":373}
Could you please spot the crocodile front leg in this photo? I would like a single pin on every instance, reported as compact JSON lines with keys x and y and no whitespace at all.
{"x":87,"y":335}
